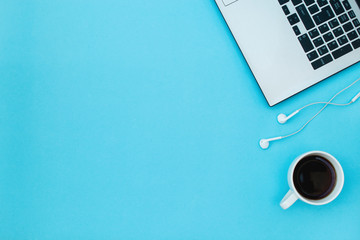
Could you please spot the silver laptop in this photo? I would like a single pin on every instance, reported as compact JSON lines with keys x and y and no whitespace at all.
{"x":291,"y":45}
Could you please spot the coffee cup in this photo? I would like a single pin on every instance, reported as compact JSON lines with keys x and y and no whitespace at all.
{"x":315,"y":178}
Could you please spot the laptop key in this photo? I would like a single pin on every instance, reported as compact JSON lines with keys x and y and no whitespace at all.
{"x":283,"y":1}
{"x":314,"y":33}
{"x":342,"y":51}
{"x":336,"y":5}
{"x":309,"y":2}
{"x":356,"y":23}
{"x":356,"y":44}
{"x":343,"y":18}
{"x":328,"y":37}
{"x":318,"y":42}
{"x":322,"y":3}
{"x":323,"y":16}
{"x":352,"y":35}
{"x":346,"y":4}
{"x":333,"y":45}
{"x":293,"y":19}
{"x":334,"y":23}
{"x":296,"y":2}
{"x":338,"y":31}
{"x":314,"y":9}
{"x":323,"y":50}
{"x":342,"y":40}
{"x":352,"y":14}
{"x":296,"y":30}
{"x":305,"y":16}
{"x":312,"y":55}
{"x":348,"y":27}
{"x":321,"y":62}
{"x":324,"y":28}
{"x":286,"y":10}
{"x":306,"y":42}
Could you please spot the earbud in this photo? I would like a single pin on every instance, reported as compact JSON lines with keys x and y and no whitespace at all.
{"x":264,"y":143}
{"x":282,"y":118}
{"x":356,"y":97}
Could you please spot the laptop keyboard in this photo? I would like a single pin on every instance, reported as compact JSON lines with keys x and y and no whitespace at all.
{"x":330,"y":28}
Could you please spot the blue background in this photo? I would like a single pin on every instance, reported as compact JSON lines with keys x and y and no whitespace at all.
{"x":141,"y":120}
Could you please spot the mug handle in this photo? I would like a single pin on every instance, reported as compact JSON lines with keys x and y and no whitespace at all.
{"x":288,"y":200}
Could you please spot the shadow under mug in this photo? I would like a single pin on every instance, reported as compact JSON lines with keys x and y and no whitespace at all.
{"x":293,"y":195}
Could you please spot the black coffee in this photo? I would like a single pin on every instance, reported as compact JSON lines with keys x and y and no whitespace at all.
{"x":314,"y":177}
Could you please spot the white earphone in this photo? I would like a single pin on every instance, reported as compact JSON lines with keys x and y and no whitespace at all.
{"x":282,"y":118}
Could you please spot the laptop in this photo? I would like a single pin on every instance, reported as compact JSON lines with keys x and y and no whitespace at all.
{"x":291,"y":45}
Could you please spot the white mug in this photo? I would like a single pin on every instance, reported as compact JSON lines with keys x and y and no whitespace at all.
{"x":293,"y":195}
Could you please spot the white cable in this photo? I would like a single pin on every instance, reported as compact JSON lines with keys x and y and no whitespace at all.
{"x":334,"y":104}
{"x":322,"y":109}
{"x":264,"y":143}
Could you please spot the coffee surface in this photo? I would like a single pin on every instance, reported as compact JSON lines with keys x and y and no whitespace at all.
{"x":314,"y":177}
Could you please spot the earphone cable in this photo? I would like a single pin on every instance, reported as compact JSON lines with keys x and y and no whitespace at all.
{"x":322,"y":109}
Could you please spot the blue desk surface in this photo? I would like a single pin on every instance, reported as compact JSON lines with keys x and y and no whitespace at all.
{"x":141,"y":120}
